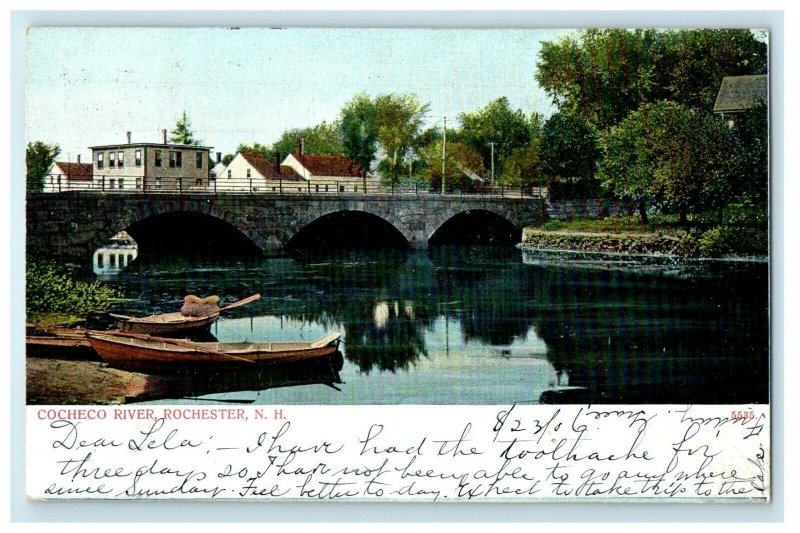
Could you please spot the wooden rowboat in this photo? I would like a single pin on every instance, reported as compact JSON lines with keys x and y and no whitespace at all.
{"x":166,"y":324}
{"x":170,"y":324}
{"x":143,"y":352}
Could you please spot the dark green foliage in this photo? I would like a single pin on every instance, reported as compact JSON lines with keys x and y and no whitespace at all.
{"x":603,"y":75}
{"x":496,"y":122}
{"x":726,"y":240}
{"x":325,"y":138}
{"x":39,"y":157}
{"x":568,"y":148}
{"x":51,"y":288}
{"x":183,"y":134}
{"x":359,"y":130}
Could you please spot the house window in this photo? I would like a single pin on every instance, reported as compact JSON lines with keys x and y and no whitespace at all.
{"x":229,"y":173}
{"x":173,"y":159}
{"x":120,"y":183}
{"x":355,"y":189}
{"x":326,"y":188}
{"x":121,"y":260}
{"x":158,"y":184}
{"x":137,"y":158}
{"x":100,"y":160}
{"x":341,"y":188}
{"x":138,"y":183}
{"x":248,"y":172}
{"x":111,"y":184}
{"x":111,"y":159}
{"x":198,"y":181}
{"x":112,"y":261}
{"x":198,"y":159}
{"x":158,"y":158}
{"x":178,"y":159}
{"x":120,"y":159}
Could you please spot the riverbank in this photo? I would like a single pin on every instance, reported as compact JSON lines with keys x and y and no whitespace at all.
{"x":581,"y":236}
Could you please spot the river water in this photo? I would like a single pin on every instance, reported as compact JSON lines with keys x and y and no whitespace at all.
{"x":461,"y":325}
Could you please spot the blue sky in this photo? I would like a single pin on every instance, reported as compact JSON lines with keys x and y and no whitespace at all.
{"x":88,"y":86}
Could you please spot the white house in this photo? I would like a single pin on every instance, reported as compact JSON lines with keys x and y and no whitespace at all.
{"x":330,"y":173}
{"x":253,"y":172}
{"x":65,"y":176}
{"x":115,"y":255}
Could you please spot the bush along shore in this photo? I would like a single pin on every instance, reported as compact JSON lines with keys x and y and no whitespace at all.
{"x":54,"y":294}
{"x":717,"y":241}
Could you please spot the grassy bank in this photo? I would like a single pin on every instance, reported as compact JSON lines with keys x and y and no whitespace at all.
{"x":663,"y":235}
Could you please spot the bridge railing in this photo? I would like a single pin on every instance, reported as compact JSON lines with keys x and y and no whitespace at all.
{"x":252,"y":186}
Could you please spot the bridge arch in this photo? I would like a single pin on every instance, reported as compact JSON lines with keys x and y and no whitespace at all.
{"x":170,"y":219}
{"x":347,"y":228}
{"x":477,"y":226}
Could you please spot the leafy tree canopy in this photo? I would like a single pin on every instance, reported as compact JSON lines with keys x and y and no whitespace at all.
{"x":568,"y":147}
{"x":461,"y":159}
{"x":39,"y":157}
{"x":496,"y":123}
{"x":324,"y":138}
{"x":603,"y":75}
{"x":360,"y":130}
{"x":672,"y":153}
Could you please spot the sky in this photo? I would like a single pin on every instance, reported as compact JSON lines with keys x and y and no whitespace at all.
{"x":89,"y":86}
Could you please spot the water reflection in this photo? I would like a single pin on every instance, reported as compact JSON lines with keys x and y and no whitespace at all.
{"x":474,"y":325}
{"x":240,"y":386}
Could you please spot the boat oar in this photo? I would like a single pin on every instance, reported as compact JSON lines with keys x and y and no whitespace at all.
{"x":244,"y":301}
{"x":176,"y":342}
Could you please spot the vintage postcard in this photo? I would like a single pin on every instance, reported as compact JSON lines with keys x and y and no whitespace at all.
{"x":397,"y":264}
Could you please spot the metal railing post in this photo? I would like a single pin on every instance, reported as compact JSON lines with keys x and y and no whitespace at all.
{"x":180,"y":185}
{"x":308,"y":183}
{"x":215,"y":186}
{"x":59,"y":183}
{"x":103,"y":183}
{"x":280,"y":186}
{"x":251,"y":186}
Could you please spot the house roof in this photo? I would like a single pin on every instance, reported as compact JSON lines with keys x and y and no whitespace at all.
{"x":739,"y":93}
{"x":267,"y":169}
{"x":76,"y":171}
{"x":329,"y":165}
{"x":157,"y":145}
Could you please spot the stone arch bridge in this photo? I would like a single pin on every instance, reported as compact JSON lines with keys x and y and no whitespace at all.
{"x":70,"y":226}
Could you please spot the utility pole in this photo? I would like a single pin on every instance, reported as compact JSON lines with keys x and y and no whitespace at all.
{"x":444,"y":152}
{"x":492,"y":143}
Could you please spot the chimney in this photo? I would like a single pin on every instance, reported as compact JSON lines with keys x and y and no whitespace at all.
{"x":79,"y":158}
{"x":219,"y":157}
{"x":165,"y":136}
{"x":278,"y":162}
{"x":129,"y":137}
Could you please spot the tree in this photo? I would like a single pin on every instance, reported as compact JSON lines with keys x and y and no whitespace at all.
{"x":227,"y":158}
{"x":398,"y":118}
{"x":359,"y":130}
{"x":602,"y":75}
{"x":324,"y":138}
{"x":183,"y":134}
{"x":568,"y":147}
{"x":523,"y":167}
{"x":255,"y":148}
{"x":499,"y":124}
{"x":461,"y":158}
{"x":39,"y":157}
{"x":672,"y":153}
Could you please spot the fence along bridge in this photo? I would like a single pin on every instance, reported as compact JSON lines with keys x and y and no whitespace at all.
{"x":72,"y":224}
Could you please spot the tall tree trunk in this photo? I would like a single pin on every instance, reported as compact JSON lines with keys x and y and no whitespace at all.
{"x":643,"y":211}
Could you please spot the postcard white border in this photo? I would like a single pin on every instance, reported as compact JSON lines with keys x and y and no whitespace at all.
{"x":23,"y":510}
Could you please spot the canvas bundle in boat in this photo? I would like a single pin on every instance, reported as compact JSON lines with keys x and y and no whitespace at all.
{"x":196,"y":306}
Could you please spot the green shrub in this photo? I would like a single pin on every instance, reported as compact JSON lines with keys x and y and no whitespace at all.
{"x":50,"y":288}
{"x":724,"y":240}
